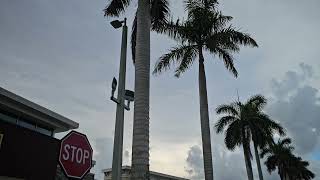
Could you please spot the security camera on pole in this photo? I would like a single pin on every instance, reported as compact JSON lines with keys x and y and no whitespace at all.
{"x":123,"y":95}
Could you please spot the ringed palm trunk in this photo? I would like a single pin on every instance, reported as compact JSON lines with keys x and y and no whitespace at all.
{"x":204,"y":118}
{"x":140,"y":140}
{"x":258,"y":160}
{"x":246,"y":149}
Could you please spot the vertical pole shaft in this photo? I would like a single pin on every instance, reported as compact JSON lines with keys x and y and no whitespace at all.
{"x":118,"y":134}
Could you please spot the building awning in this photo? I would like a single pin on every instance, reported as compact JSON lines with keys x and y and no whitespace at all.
{"x":35,"y":113}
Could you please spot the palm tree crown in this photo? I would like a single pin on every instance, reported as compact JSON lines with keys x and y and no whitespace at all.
{"x":248,"y":116}
{"x":205,"y":29}
{"x":279,"y":156}
{"x":247,"y":122}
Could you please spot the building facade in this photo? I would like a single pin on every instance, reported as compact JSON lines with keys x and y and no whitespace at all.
{"x":126,"y":171}
{"x":28,"y":149}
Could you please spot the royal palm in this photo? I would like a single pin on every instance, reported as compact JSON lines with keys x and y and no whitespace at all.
{"x":205,"y":29}
{"x":149,"y":14}
{"x":262,"y":129}
{"x":245,"y":122}
{"x":279,"y":156}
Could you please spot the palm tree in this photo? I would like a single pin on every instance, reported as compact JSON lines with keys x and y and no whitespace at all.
{"x":204,"y":30}
{"x":246,"y":122}
{"x":279,"y":156}
{"x":150,"y":13}
{"x":263,"y":129}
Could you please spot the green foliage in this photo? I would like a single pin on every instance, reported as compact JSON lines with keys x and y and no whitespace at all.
{"x":116,"y":7}
{"x":245,"y":122}
{"x":206,"y":29}
{"x":183,"y":55}
{"x":280,"y":156}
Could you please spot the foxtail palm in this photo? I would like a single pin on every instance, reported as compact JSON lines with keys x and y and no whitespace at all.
{"x":150,"y":13}
{"x":205,"y":29}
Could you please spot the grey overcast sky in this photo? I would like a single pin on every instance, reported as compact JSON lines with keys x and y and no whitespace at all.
{"x":63,"y":55}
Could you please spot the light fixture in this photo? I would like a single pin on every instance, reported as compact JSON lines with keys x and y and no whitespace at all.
{"x":116,"y":24}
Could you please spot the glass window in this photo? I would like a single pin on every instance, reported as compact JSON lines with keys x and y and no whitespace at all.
{"x":7,"y":118}
{"x":25,"y":123}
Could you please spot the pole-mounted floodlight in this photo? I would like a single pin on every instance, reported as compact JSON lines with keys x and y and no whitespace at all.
{"x":129,"y":95}
{"x":124,"y":97}
{"x":116,"y":24}
{"x":114,"y":86}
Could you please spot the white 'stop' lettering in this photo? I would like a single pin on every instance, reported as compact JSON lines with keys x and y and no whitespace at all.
{"x":75,"y":154}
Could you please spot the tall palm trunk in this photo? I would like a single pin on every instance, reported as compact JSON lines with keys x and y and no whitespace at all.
{"x":246,"y":150}
{"x":204,"y":118}
{"x":140,"y":140}
{"x":258,"y":160}
{"x":279,"y":172}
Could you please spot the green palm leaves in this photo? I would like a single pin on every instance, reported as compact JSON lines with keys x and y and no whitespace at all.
{"x":246,"y":122}
{"x":249,"y":118}
{"x":205,"y":29}
{"x":279,"y":156}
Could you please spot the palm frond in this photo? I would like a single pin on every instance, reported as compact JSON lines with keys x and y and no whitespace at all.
{"x":176,"y":30}
{"x":191,"y":5}
{"x":233,"y":136}
{"x":228,"y":60}
{"x":274,"y":126}
{"x":210,"y":3}
{"x":265,"y":151}
{"x":227,"y":109}
{"x":271,"y":163}
{"x":159,"y":13}
{"x":230,"y":35}
{"x":297,"y":169}
{"x":176,"y":54}
{"x":258,"y":101}
{"x":240,"y":37}
{"x":223,"y":122}
{"x":213,"y":42}
{"x":116,"y":7}
{"x":219,"y":21}
{"x":186,"y":61}
{"x":285,"y":142}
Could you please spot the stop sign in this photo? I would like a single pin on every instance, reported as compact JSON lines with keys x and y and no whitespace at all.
{"x":75,"y":155}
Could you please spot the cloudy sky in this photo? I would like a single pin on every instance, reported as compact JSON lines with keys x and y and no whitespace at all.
{"x":64,"y":54}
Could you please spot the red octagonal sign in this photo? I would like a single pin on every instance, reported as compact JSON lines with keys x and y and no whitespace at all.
{"x":75,"y":155}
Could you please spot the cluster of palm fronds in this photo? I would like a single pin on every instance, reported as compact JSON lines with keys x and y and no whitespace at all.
{"x":246,"y":123}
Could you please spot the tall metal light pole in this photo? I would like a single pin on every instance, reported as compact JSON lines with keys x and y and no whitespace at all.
{"x":120,"y":100}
